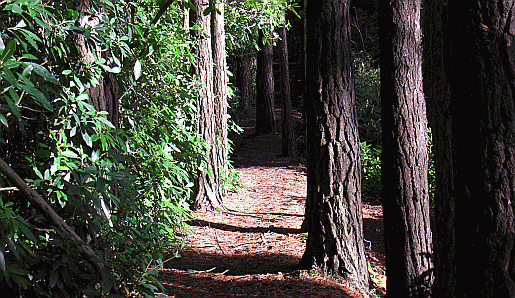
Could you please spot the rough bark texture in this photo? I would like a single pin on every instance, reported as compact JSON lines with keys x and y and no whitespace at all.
{"x":437,"y":94}
{"x":265,"y":108}
{"x":104,"y":96}
{"x":404,"y":157}
{"x":481,"y":40}
{"x":288,"y":138}
{"x":333,"y":206}
{"x":207,"y":191}
{"x":220,"y":86}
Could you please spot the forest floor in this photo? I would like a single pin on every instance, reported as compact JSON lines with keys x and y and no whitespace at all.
{"x":251,"y":248}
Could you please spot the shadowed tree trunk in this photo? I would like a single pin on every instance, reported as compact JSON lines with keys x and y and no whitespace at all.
{"x":103,"y":96}
{"x":437,"y":94}
{"x":220,"y":86}
{"x":288,"y":138}
{"x":404,"y":157}
{"x":479,"y":56}
{"x":265,"y":109}
{"x":334,"y":217}
{"x":246,"y":78}
{"x":207,"y":191}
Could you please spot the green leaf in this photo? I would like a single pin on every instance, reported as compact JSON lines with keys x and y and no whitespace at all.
{"x":105,"y":121}
{"x":26,"y":231}
{"x":42,"y":71}
{"x":70,"y":154}
{"x":3,"y":120}
{"x":87,"y":138}
{"x":137,"y":70}
{"x":8,"y":52}
{"x":8,"y":75}
{"x":66,"y":72}
{"x":14,"y":108}
{"x":40,"y":97}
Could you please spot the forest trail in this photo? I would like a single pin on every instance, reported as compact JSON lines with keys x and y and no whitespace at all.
{"x":251,"y":248}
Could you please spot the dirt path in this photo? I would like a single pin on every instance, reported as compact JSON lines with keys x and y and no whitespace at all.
{"x":252,"y":247}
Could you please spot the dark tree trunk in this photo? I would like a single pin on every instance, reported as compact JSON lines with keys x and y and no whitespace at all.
{"x":246,"y":79}
{"x":265,"y":109}
{"x":103,"y":96}
{"x":437,"y":94}
{"x":288,"y":138}
{"x":220,"y":86}
{"x":334,"y":217}
{"x":207,"y":191}
{"x":405,"y":157}
{"x":481,"y":78}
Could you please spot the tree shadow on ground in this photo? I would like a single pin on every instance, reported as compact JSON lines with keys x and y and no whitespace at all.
{"x":230,"y":228}
{"x":236,"y":264}
{"x":200,"y":274}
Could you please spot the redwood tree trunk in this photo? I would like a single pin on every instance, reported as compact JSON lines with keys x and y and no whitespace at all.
{"x":437,"y":94}
{"x":103,"y":96}
{"x":265,"y":109}
{"x":404,"y":157}
{"x":207,"y":191}
{"x":334,"y":217}
{"x":220,"y":86}
{"x":288,"y":138}
{"x":481,"y":38}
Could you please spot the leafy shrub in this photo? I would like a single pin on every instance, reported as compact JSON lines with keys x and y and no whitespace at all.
{"x":125,"y":191}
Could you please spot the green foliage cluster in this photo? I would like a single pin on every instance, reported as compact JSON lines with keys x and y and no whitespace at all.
{"x":124,"y":188}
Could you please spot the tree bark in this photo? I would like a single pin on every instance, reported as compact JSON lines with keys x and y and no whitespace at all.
{"x":481,"y":79}
{"x":334,"y":217}
{"x":437,"y":94}
{"x":245,"y":71}
{"x":104,"y":96}
{"x":220,"y":86}
{"x":207,"y":186}
{"x":288,"y":138}
{"x":265,"y":108}
{"x":404,"y":174}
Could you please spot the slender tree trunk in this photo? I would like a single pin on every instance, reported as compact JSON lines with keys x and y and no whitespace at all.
{"x":207,"y":191}
{"x":245,"y":80}
{"x":481,"y":39}
{"x":437,"y":94}
{"x":405,"y":157}
{"x":220,"y":86}
{"x":334,"y":218}
{"x":265,"y":108}
{"x":288,"y":138}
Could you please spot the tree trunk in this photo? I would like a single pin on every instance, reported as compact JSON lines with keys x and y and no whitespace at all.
{"x":245,"y":80}
{"x":437,"y":94}
{"x":207,"y":191}
{"x":104,"y":96}
{"x":405,"y":157}
{"x":220,"y":86}
{"x":481,"y":39}
{"x":334,"y":217}
{"x":265,"y":109}
{"x":288,"y":138}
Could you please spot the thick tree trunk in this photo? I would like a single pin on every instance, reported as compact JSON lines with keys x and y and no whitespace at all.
{"x":334,"y":217}
{"x":437,"y":94}
{"x":265,"y":108}
{"x":220,"y":86}
{"x":481,"y":40}
{"x":207,"y":191}
{"x":288,"y":138}
{"x":404,"y":166}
